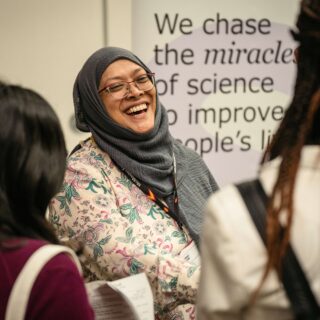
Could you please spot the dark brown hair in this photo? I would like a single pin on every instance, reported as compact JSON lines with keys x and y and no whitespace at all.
{"x":300,"y":126}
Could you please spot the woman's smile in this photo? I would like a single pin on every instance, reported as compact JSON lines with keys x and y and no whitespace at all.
{"x":136,"y":110}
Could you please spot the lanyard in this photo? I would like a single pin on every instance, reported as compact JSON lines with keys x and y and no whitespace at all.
{"x":152,"y":195}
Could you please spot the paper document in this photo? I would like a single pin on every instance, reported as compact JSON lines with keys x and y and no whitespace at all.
{"x":191,"y":254}
{"x":129,"y":298}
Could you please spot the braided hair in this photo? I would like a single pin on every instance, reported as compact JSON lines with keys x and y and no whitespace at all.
{"x":300,"y":126}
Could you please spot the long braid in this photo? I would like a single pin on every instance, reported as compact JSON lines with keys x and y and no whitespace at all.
{"x":295,"y":131}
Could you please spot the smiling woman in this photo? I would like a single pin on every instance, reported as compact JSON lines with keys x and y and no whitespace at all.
{"x":132,"y":194}
{"x":132,"y":104}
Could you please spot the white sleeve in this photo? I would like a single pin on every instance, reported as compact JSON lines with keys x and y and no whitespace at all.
{"x":226,"y":257}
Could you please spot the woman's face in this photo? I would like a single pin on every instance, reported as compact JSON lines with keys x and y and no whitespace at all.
{"x":135,"y":111}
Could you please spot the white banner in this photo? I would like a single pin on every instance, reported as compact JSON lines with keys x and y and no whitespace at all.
{"x":224,"y":72}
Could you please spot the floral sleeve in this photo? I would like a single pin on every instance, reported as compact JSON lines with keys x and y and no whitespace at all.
{"x":122,"y":231}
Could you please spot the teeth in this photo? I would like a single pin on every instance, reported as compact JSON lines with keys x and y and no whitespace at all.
{"x":137,"y":108}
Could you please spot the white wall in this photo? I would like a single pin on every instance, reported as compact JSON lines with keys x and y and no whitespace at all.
{"x":119,"y":23}
{"x":43,"y":45}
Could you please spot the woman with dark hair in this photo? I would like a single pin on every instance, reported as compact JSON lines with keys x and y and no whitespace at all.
{"x":241,"y":278}
{"x":132,"y":194}
{"x":32,"y":166}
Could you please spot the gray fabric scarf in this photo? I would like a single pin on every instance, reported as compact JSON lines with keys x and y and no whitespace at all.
{"x":146,"y":156}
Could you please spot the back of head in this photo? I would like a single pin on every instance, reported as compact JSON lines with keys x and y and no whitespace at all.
{"x":32,"y":162}
{"x":300,"y":126}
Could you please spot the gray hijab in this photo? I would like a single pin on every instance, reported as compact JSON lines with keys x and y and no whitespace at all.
{"x":146,"y":156}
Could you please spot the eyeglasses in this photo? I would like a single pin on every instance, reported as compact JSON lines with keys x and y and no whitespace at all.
{"x":121,"y":89}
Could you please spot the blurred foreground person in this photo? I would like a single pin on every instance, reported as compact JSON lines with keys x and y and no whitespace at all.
{"x":32,"y":166}
{"x":241,"y":276}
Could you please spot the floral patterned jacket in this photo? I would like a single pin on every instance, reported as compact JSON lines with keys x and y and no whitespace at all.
{"x":123,"y":232}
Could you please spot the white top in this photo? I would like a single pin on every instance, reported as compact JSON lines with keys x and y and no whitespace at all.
{"x":234,"y":256}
